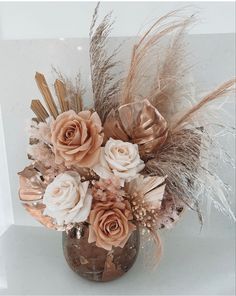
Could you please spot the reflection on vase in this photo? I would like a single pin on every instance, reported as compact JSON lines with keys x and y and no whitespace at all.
{"x":94,"y":263}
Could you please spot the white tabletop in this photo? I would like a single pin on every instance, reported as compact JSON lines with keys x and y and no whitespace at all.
{"x":32,"y":263}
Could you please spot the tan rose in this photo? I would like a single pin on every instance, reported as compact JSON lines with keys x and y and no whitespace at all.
{"x":77,"y":138}
{"x":110,"y":224}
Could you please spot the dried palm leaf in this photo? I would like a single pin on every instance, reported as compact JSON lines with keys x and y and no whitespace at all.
{"x":145,"y":195}
{"x":39,"y":110}
{"x":104,"y":85}
{"x":60,"y":90}
{"x":43,"y":87}
{"x":72,"y":91}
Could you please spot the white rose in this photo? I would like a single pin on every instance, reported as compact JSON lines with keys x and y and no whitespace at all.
{"x":120,"y":159}
{"x":67,"y":199}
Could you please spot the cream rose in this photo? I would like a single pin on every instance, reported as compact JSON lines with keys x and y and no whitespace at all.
{"x":120,"y":159}
{"x":67,"y":199}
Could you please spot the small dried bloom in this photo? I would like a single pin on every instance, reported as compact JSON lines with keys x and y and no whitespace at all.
{"x":107,"y":190}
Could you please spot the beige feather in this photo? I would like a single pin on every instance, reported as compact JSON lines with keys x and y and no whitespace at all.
{"x":143,"y":49}
{"x":223,"y":90}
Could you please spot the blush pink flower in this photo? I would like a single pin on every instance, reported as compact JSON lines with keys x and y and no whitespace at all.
{"x":108,"y":190}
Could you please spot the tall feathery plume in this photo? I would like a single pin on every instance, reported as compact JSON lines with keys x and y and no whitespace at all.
{"x":179,"y":160}
{"x":186,"y":157}
{"x":171,"y":88}
{"x":223,"y":90}
{"x":104,"y":85}
{"x":140,"y":67}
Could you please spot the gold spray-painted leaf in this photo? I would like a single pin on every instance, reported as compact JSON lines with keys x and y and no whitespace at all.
{"x":39,"y":110}
{"x":45,"y":91}
{"x":28,"y":172}
{"x":138,"y":122}
{"x":32,"y":186}
{"x":30,"y":191}
{"x":36,"y":211}
{"x":60,"y":90}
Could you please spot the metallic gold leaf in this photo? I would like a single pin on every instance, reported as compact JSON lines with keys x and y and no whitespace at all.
{"x":45,"y":91}
{"x":39,"y":110}
{"x":32,"y":185}
{"x":29,"y":191}
{"x":36,"y":211}
{"x":138,"y":122}
{"x":60,"y":90}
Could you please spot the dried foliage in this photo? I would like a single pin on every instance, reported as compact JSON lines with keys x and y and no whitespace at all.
{"x":74,"y":91}
{"x":180,"y":152}
{"x":187,"y":157}
{"x":179,"y":160}
{"x":104,"y":84}
{"x":223,"y":90}
{"x":168,"y":67}
{"x":139,"y":123}
{"x":45,"y":91}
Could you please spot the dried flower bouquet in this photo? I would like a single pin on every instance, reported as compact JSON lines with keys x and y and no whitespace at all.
{"x":138,"y":157}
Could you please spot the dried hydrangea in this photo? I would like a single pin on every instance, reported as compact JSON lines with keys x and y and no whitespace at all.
{"x":107,"y":190}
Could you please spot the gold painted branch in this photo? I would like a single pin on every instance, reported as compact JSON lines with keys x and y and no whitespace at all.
{"x":60,"y":90}
{"x":44,"y":89}
{"x":39,"y":110}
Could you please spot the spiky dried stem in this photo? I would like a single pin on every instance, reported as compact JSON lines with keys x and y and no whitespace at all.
{"x":104,"y":85}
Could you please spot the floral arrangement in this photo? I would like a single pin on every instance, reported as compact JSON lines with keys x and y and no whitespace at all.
{"x":137,"y":158}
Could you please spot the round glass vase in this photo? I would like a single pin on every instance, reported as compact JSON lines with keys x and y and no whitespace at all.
{"x":94,"y":263}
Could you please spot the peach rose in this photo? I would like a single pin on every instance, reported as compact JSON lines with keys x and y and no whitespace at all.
{"x":110,"y":224}
{"x":77,"y":138}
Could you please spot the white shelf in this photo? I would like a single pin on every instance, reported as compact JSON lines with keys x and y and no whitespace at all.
{"x":33,"y":264}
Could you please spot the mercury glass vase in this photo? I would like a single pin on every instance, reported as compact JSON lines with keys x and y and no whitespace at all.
{"x":94,"y":263}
